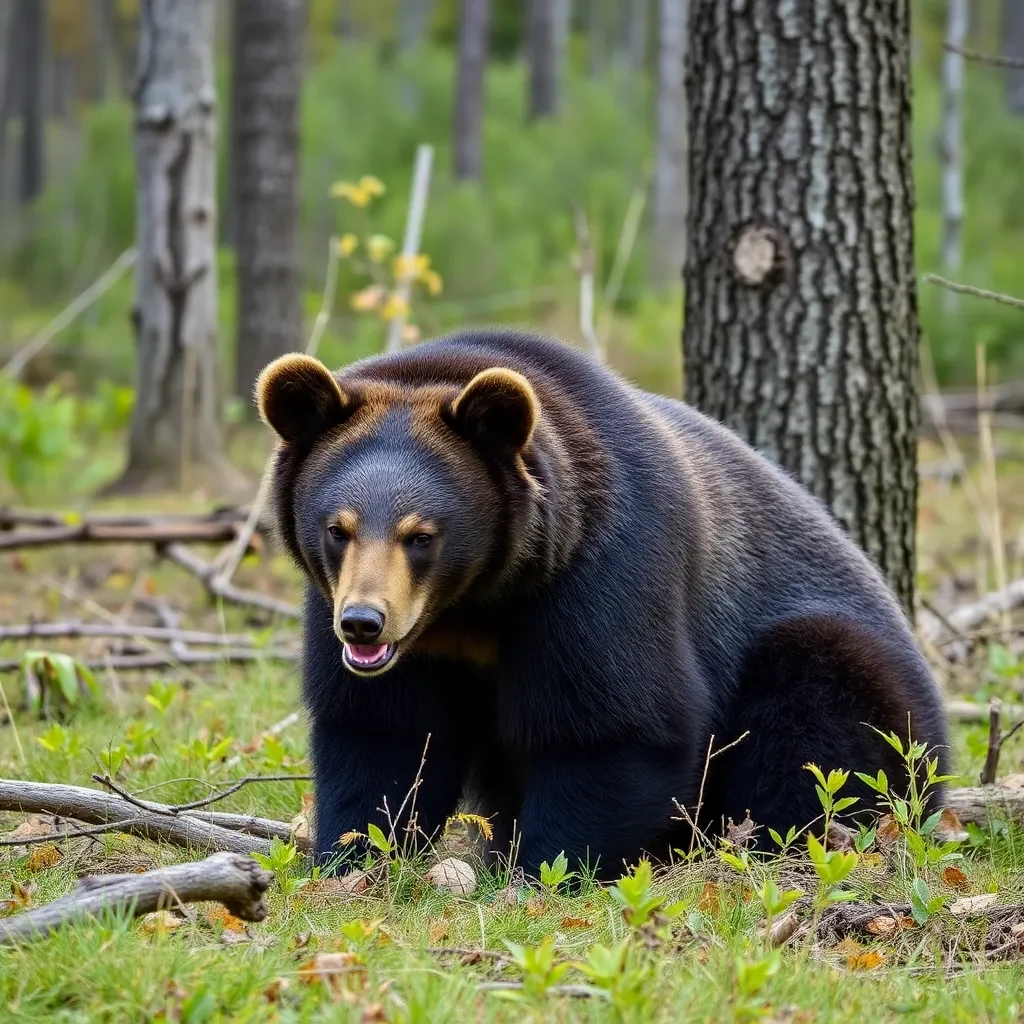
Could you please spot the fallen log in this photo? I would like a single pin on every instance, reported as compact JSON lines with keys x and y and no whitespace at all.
{"x":77,"y":630}
{"x":98,"y":808}
{"x":10,"y":518}
{"x":236,"y":881}
{"x":141,"y":662}
{"x":976,"y":805}
{"x":970,"y":616}
{"x":88,"y":532}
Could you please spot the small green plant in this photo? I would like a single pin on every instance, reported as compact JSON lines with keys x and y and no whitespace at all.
{"x":740,"y":860}
{"x":201,"y":750}
{"x":539,"y":967}
{"x":641,"y":907}
{"x":827,"y":789}
{"x":922,"y":904}
{"x":749,"y":979}
{"x":775,"y":902}
{"x":628,"y":988}
{"x":37,"y":432}
{"x":139,"y":736}
{"x":280,"y":861}
{"x":832,"y":867}
{"x":53,"y":679}
{"x":112,"y":759}
{"x":161,"y":696}
{"x":555,"y":874}
{"x":784,"y":844}
{"x":274,"y":754}
{"x":58,"y":740}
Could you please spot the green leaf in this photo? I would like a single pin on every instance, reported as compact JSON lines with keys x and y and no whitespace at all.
{"x":378,"y":838}
{"x":919,"y":891}
{"x":62,"y":667}
{"x":842,"y":804}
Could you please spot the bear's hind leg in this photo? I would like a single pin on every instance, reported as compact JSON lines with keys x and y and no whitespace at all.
{"x":805,"y":693}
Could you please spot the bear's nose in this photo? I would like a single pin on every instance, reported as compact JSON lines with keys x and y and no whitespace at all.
{"x":361,"y":624}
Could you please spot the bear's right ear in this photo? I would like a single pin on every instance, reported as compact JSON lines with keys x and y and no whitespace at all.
{"x":298,"y":398}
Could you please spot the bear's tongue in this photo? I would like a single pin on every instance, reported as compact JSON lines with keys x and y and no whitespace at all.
{"x":366,"y":654}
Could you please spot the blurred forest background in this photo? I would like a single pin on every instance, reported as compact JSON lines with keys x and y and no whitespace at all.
{"x":378,"y":78}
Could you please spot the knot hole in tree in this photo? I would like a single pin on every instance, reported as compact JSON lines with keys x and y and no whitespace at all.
{"x":760,"y":255}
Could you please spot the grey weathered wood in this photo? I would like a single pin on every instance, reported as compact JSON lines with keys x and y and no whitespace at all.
{"x":32,"y":166}
{"x":234,"y":880}
{"x":268,"y":41}
{"x":952,"y":140}
{"x":97,"y":808}
{"x":1013,"y":47}
{"x":669,"y":199}
{"x":542,"y":56}
{"x":801,"y":328}
{"x":467,"y":144}
{"x":176,"y":426}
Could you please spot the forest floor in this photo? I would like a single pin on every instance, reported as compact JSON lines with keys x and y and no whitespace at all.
{"x":697,"y":945}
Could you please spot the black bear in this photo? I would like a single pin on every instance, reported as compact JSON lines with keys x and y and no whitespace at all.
{"x":570,"y":585}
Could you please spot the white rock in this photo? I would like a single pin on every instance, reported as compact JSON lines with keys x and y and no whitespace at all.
{"x":452,"y":875}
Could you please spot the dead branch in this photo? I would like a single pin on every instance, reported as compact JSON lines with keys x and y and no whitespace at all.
{"x":969,"y":616}
{"x":145,"y":805}
{"x":11,"y":518}
{"x":975,"y":805}
{"x":90,"y":531}
{"x":229,"y":878}
{"x":97,"y":808}
{"x":75,"y":630}
{"x":972,"y":711}
{"x":990,"y":771}
{"x":207,"y":574}
{"x":978,"y":293}
{"x":996,"y":60}
{"x":147,"y":662}
{"x":265,"y":828}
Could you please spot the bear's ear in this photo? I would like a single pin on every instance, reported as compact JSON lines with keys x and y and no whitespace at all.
{"x":298,"y":398}
{"x":496,"y":410}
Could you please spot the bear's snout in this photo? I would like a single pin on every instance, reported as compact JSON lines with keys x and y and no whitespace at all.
{"x":361,"y":624}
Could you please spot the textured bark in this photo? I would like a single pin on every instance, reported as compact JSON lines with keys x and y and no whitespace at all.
{"x":801,"y":329}
{"x":542,"y":54}
{"x":1013,"y":46}
{"x":670,"y":189}
{"x":269,"y":38}
{"x":952,"y":138}
{"x":176,"y":426}
{"x":467,"y":146}
{"x":33,"y":137}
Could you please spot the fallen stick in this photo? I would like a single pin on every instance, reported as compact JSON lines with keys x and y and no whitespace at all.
{"x":74,"y":630}
{"x":10,"y":518}
{"x":103,"y":533}
{"x":969,"y":616}
{"x":226,"y":591}
{"x":97,"y":808}
{"x":144,"y":662}
{"x":975,"y":805}
{"x":236,"y":881}
{"x":972,"y":711}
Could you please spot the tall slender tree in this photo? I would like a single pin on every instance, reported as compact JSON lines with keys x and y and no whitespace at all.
{"x":474,"y":20}
{"x":801,"y":328}
{"x":176,"y":434}
{"x":32,"y":167}
{"x":542,"y":54}
{"x":669,"y":201}
{"x":1013,"y":47}
{"x":269,"y":37}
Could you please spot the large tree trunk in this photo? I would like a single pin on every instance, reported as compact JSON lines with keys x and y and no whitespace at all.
{"x":801,"y":329}
{"x":1013,"y":47}
{"x":542,"y":54}
{"x":269,"y":37}
{"x":670,"y":172}
{"x":467,"y":154}
{"x":176,"y":433}
{"x":33,"y":126}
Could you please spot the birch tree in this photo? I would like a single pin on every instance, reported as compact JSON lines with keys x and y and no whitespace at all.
{"x":176,"y":435}
{"x":952,"y":139}
{"x":801,"y":328}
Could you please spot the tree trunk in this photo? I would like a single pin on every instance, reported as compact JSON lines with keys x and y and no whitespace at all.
{"x":413,"y":21}
{"x":597,"y":36}
{"x":541,"y":56}
{"x":229,"y":206}
{"x":669,"y":201}
{"x":1013,"y":47}
{"x":10,"y":83}
{"x":176,"y":436}
{"x":269,"y":38}
{"x":633,"y":34}
{"x":467,"y":147}
{"x":33,"y":125}
{"x":952,"y":140}
{"x":801,"y":329}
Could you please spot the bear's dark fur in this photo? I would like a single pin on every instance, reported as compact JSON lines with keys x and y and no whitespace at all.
{"x":581,"y":584}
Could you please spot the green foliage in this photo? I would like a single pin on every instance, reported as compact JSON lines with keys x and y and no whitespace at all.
{"x":54,"y":680}
{"x":554,"y":874}
{"x":539,"y":968}
{"x":36,"y":432}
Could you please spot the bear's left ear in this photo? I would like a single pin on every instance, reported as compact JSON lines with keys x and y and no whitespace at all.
{"x":299,"y":398}
{"x":497,"y":410}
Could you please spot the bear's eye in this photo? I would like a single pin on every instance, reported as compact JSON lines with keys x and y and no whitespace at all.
{"x":421,"y":540}
{"x":337,"y":534}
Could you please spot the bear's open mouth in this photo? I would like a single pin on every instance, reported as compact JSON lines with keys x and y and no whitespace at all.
{"x":368,"y":658}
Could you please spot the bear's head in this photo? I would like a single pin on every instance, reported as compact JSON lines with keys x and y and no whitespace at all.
{"x":399,"y":500}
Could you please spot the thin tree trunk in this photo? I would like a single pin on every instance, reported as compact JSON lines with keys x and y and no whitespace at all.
{"x":562,"y":15}
{"x":176,"y":434}
{"x":801,"y":329}
{"x":952,"y":141}
{"x":1013,"y":47}
{"x":229,"y":206}
{"x":269,"y":44}
{"x":669,"y":201}
{"x":597,"y":36}
{"x":33,"y":126}
{"x":11,"y":83}
{"x":103,"y":45}
{"x":541,"y":56}
{"x":632,"y":34}
{"x":413,"y":21}
{"x":474,"y":20}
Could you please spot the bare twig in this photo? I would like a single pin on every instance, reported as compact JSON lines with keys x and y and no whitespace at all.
{"x":93,"y":533}
{"x":78,"y":305}
{"x":77,"y":833}
{"x":996,"y":60}
{"x":14,"y":725}
{"x":411,"y":241}
{"x":74,"y":630}
{"x":969,"y":616}
{"x":98,"y":808}
{"x":228,"y":561}
{"x":990,"y":771}
{"x":569,"y":991}
{"x":236,"y":881}
{"x":105,"y":780}
{"x":623,"y":251}
{"x":586,"y":272}
{"x":708,"y":758}
{"x":170,"y":659}
{"x":207,"y":575}
{"x":11,"y":518}
{"x":978,"y":293}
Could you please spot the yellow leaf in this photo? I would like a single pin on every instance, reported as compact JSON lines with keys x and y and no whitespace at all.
{"x":46,"y":855}
{"x":355,"y":194}
{"x":866,"y":961}
{"x":576,"y":922}
{"x":432,"y":279}
{"x":347,"y":838}
{"x":486,"y":830}
{"x":160,"y":922}
{"x":394,"y":306}
{"x":371,"y":185}
{"x":347,"y":244}
{"x":368,"y":298}
{"x":379,"y":247}
{"x":410,"y":267}
{"x":708,"y":902}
